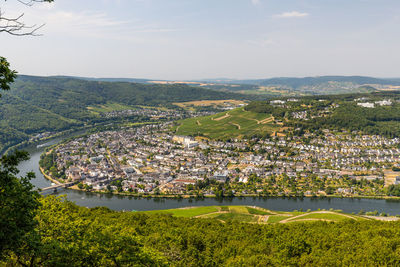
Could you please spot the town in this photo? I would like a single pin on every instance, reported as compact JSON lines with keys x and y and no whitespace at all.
{"x":152,"y":160}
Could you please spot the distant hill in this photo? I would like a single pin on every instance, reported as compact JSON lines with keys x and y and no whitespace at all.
{"x":129,"y":80}
{"x":39,"y":104}
{"x":286,"y":86}
{"x":312,"y":81}
{"x":280,"y":86}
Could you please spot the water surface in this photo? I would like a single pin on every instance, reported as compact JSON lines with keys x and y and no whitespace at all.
{"x":131,"y":203}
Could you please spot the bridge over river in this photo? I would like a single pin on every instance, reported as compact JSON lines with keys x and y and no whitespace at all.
{"x":54,"y":187}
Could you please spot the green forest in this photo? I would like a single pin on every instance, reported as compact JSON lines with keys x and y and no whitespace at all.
{"x":69,"y":235}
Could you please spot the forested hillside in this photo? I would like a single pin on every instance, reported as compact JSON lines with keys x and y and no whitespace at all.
{"x":40,"y":104}
{"x":70,"y":97}
{"x":77,"y":236}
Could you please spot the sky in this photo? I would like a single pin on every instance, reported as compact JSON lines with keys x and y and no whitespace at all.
{"x":204,"y":39}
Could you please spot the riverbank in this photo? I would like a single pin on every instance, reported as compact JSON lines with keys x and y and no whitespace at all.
{"x":28,"y":143}
{"x":48,"y":177}
{"x":188,"y":196}
{"x":138,"y":202}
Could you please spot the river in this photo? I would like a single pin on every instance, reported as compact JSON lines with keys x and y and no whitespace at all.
{"x":131,"y":203}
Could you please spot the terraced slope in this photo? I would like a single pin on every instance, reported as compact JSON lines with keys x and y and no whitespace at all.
{"x":235,"y":123}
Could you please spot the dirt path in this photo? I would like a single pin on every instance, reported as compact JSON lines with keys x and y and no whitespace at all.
{"x":317,"y":212}
{"x":267,"y":120}
{"x":223,"y":117}
{"x":237,"y":125}
{"x":207,"y":214}
{"x":309,"y":219}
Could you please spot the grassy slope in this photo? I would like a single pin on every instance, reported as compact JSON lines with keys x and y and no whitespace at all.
{"x":256,"y":214}
{"x":226,"y":125}
{"x":333,"y":216}
{"x":188,"y":212}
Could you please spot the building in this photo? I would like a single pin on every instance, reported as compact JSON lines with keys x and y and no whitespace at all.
{"x":366,"y":105}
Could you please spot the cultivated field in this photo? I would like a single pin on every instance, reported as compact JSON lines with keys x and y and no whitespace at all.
{"x":258,"y":215}
{"x":232,"y":124}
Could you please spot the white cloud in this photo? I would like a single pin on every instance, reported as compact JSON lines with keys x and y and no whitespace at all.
{"x":292,"y":14}
{"x":100,"y":25}
{"x":155,"y":30}
{"x":255,"y":2}
{"x":83,"y":19}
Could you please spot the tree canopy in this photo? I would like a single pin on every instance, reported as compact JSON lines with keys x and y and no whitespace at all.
{"x":18,"y":203}
{"x":76,"y":236}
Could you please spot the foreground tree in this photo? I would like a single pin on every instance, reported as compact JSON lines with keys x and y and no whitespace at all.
{"x":18,"y":199}
{"x":7,"y":75}
{"x":18,"y":204}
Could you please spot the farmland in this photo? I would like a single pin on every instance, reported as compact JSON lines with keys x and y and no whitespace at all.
{"x":236,"y":123}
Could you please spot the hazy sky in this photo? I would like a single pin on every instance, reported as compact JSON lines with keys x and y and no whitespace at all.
{"x":195,"y":39}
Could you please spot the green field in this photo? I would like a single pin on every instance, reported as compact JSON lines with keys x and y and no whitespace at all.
{"x":188,"y":212}
{"x":257,"y":215}
{"x":329,"y":216}
{"x":256,"y":211}
{"x":277,"y":218}
{"x":230,"y":124}
{"x":236,"y":217}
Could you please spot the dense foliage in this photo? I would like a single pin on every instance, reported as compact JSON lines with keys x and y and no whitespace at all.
{"x":383,"y":120}
{"x":7,"y":75}
{"x":18,"y":204}
{"x":77,"y":236}
{"x":394,"y":190}
{"x":264,"y":107}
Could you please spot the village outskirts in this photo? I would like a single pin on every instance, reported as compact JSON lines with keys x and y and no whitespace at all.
{"x":152,"y":161}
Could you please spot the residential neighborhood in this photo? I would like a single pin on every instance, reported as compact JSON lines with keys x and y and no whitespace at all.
{"x":153,"y":160}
